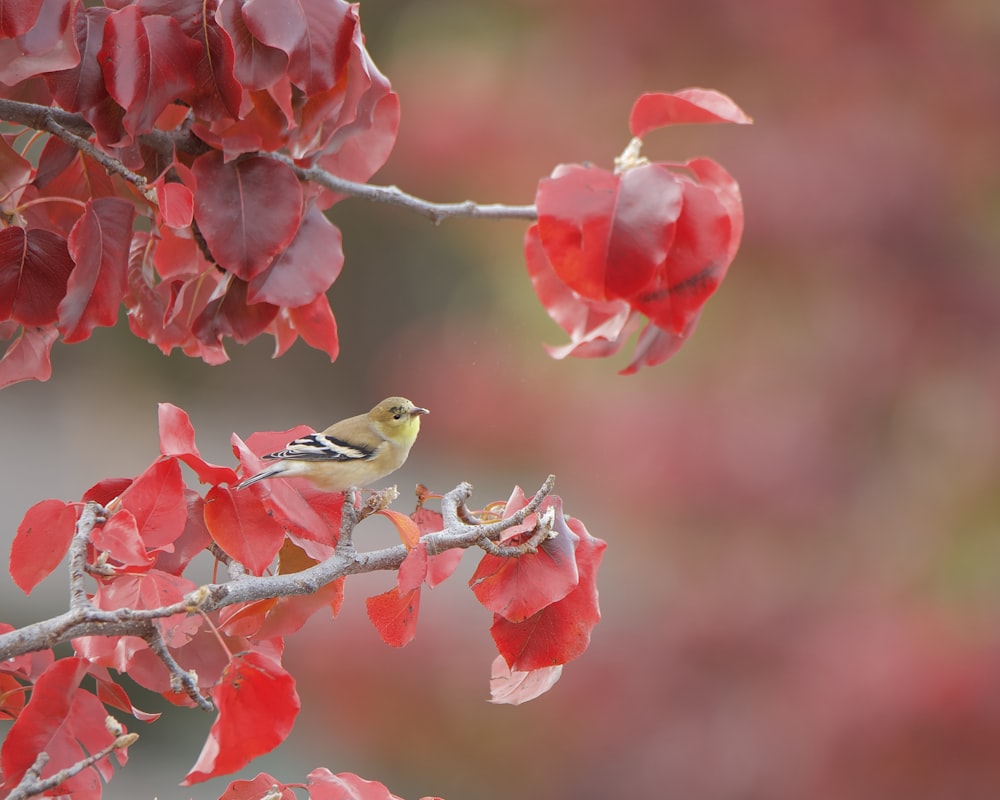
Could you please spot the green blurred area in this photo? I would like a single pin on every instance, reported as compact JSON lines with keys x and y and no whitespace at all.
{"x":801,"y":593}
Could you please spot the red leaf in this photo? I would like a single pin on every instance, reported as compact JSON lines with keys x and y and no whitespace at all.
{"x":257,"y":66}
{"x":147,"y":63}
{"x":362,"y":149}
{"x":314,"y":322}
{"x":50,"y":44}
{"x":192,"y":541}
{"x":41,"y":542}
{"x":407,"y":529}
{"x":257,"y":705}
{"x":27,"y":357}
{"x":305,"y":269}
{"x":216,"y":94}
{"x":17,"y":16}
{"x":231,"y":315}
{"x":261,"y":785}
{"x":560,"y":632}
{"x":156,"y":500}
{"x":605,"y":234}
{"x":597,"y":328}
{"x":242,"y":527}
{"x":65,"y":722}
{"x":658,"y":109}
{"x":112,"y":694}
{"x":119,"y":538}
{"x":514,"y":688}
{"x":324,"y":785}
{"x":106,"y":490}
{"x":394,"y":615}
{"x":12,"y":696}
{"x":177,"y":440}
{"x":315,"y":34}
{"x":34,"y":268}
{"x":248,"y":211}
{"x":99,"y":244}
{"x":516,"y":588}
{"x":82,"y":87}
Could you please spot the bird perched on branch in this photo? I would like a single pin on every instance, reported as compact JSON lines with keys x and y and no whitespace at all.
{"x":352,"y":452}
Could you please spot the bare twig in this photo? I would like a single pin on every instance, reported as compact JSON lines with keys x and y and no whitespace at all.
{"x":31,"y":784}
{"x":84,"y":619}
{"x":92,"y":513}
{"x":181,"y":680}
{"x":542,"y":532}
{"x":75,"y":130}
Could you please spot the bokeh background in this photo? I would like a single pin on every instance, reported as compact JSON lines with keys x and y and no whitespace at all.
{"x":801,"y":593}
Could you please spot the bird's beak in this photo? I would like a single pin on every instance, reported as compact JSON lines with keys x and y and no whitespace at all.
{"x":418,"y":410}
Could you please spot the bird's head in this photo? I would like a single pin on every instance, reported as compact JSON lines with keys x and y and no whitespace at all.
{"x":398,"y":419}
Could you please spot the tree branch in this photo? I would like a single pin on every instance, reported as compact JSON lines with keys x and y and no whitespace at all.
{"x":76,"y":131}
{"x":31,"y":785}
{"x":83,"y":619}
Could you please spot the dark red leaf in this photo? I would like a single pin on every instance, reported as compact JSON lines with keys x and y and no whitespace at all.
{"x":15,"y":173}
{"x":147,"y":63}
{"x":177,"y":440}
{"x":305,"y":269}
{"x":106,"y":490}
{"x":248,"y":211}
{"x":394,"y":615}
{"x":560,"y":632}
{"x":243,"y":528}
{"x":99,"y":244}
{"x":82,"y":87}
{"x":257,"y":65}
{"x":231,"y":315}
{"x":50,"y":44}
{"x":34,"y":268}
{"x":41,"y":542}
{"x":316,"y":35}
{"x":257,"y":705}
{"x":658,"y":109}
{"x":65,"y":722}
{"x":27,"y":357}
{"x":17,"y":16}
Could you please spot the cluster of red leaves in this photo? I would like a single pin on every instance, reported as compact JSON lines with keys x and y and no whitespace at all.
{"x":223,"y":241}
{"x":649,"y":240}
{"x":544,"y":604}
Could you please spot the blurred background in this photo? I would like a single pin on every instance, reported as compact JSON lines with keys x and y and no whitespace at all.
{"x":801,"y":593}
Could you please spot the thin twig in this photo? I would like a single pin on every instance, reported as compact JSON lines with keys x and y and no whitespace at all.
{"x":541,"y":533}
{"x":31,"y":784}
{"x":112,"y":165}
{"x":393,"y":195}
{"x":89,"y":517}
{"x":86,"y":620}
{"x":181,"y":680}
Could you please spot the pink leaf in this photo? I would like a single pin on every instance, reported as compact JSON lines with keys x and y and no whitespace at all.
{"x":514,"y":688}
{"x":177,"y":440}
{"x":27,"y":357}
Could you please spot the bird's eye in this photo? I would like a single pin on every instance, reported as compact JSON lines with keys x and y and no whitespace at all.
{"x":396,"y":416}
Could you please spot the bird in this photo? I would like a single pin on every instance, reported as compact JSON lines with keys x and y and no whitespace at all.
{"x":350,"y":453}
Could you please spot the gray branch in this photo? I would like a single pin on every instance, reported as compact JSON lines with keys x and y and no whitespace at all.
{"x":76,"y":131}
{"x":84,"y":619}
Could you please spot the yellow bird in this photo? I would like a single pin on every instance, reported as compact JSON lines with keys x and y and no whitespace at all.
{"x":351,"y":453}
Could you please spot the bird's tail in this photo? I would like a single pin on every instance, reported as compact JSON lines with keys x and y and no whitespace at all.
{"x":270,"y":472}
